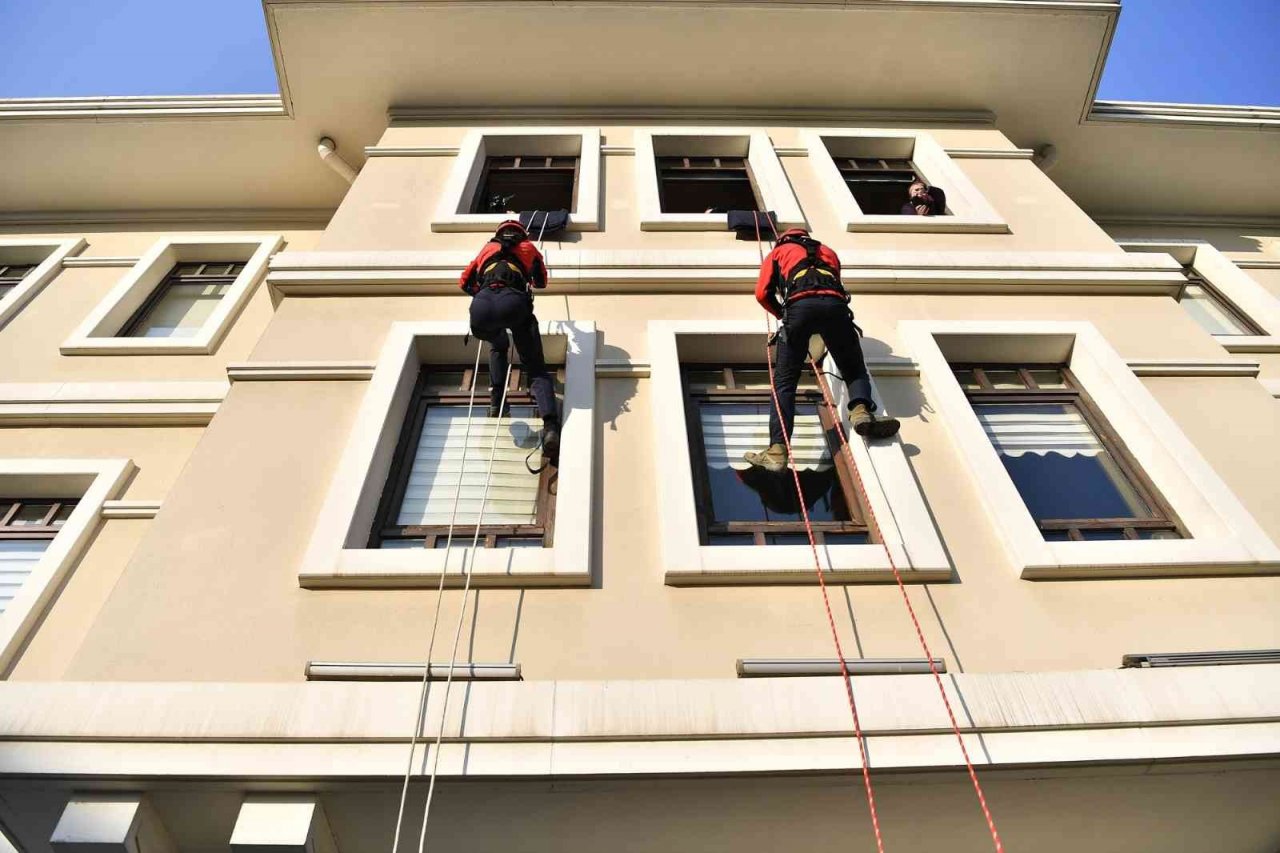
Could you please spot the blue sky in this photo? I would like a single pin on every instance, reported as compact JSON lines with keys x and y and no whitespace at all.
{"x":1193,"y":51}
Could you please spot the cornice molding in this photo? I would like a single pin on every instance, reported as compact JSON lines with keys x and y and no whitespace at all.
{"x":1193,"y":367}
{"x":1223,"y":116}
{"x":110,"y":403}
{"x":1255,"y":263}
{"x":496,"y":116}
{"x":237,"y":216}
{"x":130,"y":509}
{"x":271,"y":371}
{"x":628,"y":150}
{"x":1207,"y":221}
{"x":101,"y":261}
{"x":133,"y":107}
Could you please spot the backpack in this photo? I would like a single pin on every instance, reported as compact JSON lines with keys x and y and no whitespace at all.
{"x":503,"y":268}
{"x":812,"y":273}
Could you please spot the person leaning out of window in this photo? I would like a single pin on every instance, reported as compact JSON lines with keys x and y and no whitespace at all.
{"x":924,"y":200}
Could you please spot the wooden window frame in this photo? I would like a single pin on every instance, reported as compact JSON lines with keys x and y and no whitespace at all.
{"x":10,"y":507}
{"x":423,"y":398}
{"x":523,"y":163}
{"x":666,"y":164}
{"x":760,"y":530}
{"x":171,"y":278}
{"x":1163,"y":517}
{"x":1195,"y":278}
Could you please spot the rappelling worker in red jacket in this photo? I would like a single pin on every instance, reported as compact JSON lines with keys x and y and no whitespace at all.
{"x":800,"y":284}
{"x":501,"y":281}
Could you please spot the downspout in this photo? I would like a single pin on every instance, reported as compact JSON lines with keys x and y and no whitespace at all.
{"x":328,"y":150}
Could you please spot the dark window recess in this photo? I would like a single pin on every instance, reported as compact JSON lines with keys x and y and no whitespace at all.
{"x":1075,"y":476}
{"x":1213,"y":311}
{"x":728,"y":414}
{"x":700,"y":184}
{"x":181,"y":304}
{"x":11,"y":275}
{"x":880,"y":185}
{"x":511,"y":184}
{"x":428,"y":485}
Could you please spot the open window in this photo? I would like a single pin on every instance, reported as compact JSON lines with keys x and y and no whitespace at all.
{"x":515,"y":183}
{"x":738,"y":504}
{"x":867,"y":174}
{"x":1076,"y":478}
{"x":441,"y":481}
{"x":706,"y":185}
{"x":503,"y":170}
{"x":180,"y":298}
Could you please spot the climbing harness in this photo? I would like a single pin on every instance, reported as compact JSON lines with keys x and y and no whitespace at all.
{"x":826,"y":600}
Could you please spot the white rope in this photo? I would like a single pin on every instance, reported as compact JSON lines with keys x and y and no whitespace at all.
{"x":462,"y":611}
{"x":435,"y":621}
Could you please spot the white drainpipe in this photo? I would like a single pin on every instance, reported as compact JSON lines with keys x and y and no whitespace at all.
{"x":329,"y":154}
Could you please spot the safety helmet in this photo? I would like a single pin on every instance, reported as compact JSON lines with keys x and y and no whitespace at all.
{"x":512,"y":225}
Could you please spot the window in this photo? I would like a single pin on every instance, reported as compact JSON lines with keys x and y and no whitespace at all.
{"x":880,"y":185}
{"x":728,"y":412}
{"x":503,"y":169}
{"x":526,"y":183}
{"x":429,"y":475}
{"x":27,"y":527}
{"x":1213,"y":311}
{"x":1076,"y":480}
{"x":183,"y":302}
{"x":180,"y":298}
{"x":12,"y":275}
{"x":866,"y":175}
{"x":703,"y":184}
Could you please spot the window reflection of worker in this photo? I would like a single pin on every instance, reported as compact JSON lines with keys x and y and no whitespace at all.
{"x":800,"y":284}
{"x":500,"y":281}
{"x":924,"y":200}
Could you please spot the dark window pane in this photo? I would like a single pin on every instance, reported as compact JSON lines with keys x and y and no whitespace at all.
{"x":64,"y":512}
{"x":401,"y":544}
{"x":967,"y":380}
{"x":1057,"y":536}
{"x":31,"y":515}
{"x":1005,"y":380}
{"x":879,"y":193}
{"x":705,"y":379}
{"x":787,"y":539}
{"x":740,"y":492}
{"x":517,"y":542}
{"x":1103,"y":535}
{"x":525,"y":189}
{"x":846,"y":538}
{"x":1158,"y":534}
{"x":696,"y":191}
{"x":731,"y":539}
{"x":1048,"y":379}
{"x":1060,"y":468}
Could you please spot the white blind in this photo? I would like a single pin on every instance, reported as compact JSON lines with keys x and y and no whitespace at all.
{"x":182,"y":311}
{"x":17,"y":558}
{"x":1041,"y":428}
{"x":731,"y":429}
{"x":438,"y":471}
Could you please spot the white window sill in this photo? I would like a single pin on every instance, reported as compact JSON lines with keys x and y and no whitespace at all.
{"x":402,"y":568}
{"x":1249,"y":343}
{"x":793,"y":564}
{"x":202,"y":345}
{"x":927,"y":224}
{"x":1148,"y":559}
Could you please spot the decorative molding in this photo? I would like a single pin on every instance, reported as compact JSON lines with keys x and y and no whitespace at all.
{"x":700,"y":115}
{"x":110,"y":403}
{"x":1157,"y":221}
{"x":1256,"y":263}
{"x":1193,"y":367}
{"x":626,"y":150}
{"x":146,"y":106}
{"x":47,"y":254}
{"x":990,"y":153}
{"x":621,"y":368}
{"x":228,"y":215}
{"x":130,"y":509}
{"x":272,"y":371}
{"x":1211,"y":115}
{"x":788,"y":151}
{"x":100,"y":261}
{"x":734,"y":271}
{"x":1272,"y":386}
{"x":1249,"y":343}
{"x":411,"y":151}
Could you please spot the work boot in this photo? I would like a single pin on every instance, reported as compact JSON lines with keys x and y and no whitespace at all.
{"x":773,"y":459}
{"x":497,"y":410}
{"x":551,"y":439}
{"x":868,"y":425}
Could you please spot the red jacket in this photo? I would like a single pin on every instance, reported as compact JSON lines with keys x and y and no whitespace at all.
{"x":778,"y":266}
{"x":526,"y":253}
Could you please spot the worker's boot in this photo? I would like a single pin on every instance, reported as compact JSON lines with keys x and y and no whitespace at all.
{"x":496,"y":407}
{"x":868,"y":425}
{"x":551,"y":439}
{"x":773,"y":459}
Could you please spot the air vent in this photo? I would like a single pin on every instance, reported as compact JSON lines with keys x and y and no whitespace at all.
{"x":1148,"y":661}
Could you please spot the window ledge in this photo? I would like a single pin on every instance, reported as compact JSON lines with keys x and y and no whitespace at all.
{"x":493,"y":568}
{"x":1168,"y":559}
{"x":927,"y":224}
{"x":793,"y":564}
{"x":200,"y":345}
{"x":1249,"y":343}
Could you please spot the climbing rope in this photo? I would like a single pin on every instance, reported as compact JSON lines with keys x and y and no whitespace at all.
{"x":435,"y":621}
{"x":844,"y":440}
{"x":462,"y":609}
{"x":822,"y":582}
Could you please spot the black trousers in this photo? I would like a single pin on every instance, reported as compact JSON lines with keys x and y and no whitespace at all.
{"x":493,"y":312}
{"x":830,"y":317}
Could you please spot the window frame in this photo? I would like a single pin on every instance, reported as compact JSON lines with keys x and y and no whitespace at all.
{"x":338,"y":556}
{"x":664,"y":168}
{"x":47,"y":256}
{"x":99,"y":333}
{"x":458,"y":194}
{"x":1237,"y":288}
{"x":892,"y":490}
{"x":489,"y":169}
{"x":1196,"y":278}
{"x":970,"y":211}
{"x":422,"y":400}
{"x":769,"y":180}
{"x":705,"y":501}
{"x":95,"y":481}
{"x":1223,"y":536}
{"x":158,"y":294}
{"x":1163,"y":517}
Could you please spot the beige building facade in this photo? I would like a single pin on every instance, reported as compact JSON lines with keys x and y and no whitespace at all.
{"x":228,"y":354}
